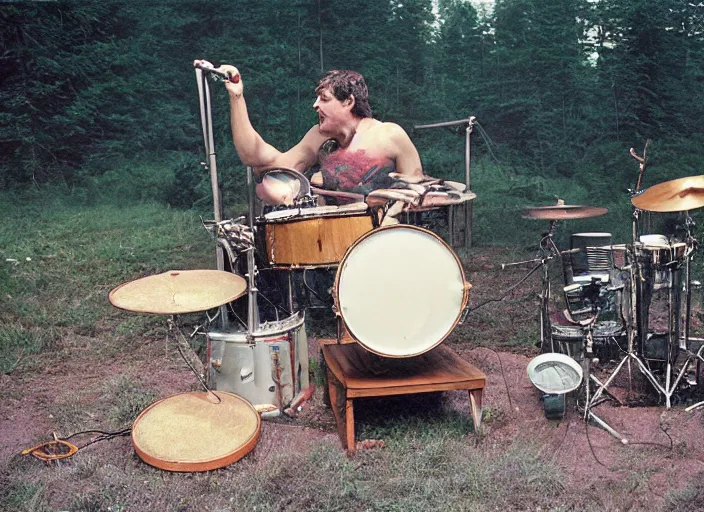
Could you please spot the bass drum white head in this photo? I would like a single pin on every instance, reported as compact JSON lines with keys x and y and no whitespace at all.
{"x":400,"y":291}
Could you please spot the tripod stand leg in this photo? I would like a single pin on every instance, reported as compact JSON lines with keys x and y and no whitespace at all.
{"x":606,"y":427}
{"x":590,"y":400}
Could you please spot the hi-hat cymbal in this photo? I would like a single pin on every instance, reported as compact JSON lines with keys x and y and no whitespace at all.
{"x":179,"y":291}
{"x":563,"y":212}
{"x":672,"y":196}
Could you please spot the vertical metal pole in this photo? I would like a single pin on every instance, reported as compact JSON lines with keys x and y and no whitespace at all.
{"x":252,"y":306}
{"x":684,"y":344}
{"x":207,"y":125}
{"x":468,"y":205}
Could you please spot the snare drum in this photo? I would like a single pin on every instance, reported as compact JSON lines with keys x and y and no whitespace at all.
{"x":400,"y":291}
{"x":269,"y":369}
{"x":309,"y":237}
{"x":664,"y":253}
{"x":657,"y":253}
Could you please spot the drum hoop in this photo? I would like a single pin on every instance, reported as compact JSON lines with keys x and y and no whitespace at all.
{"x":267,"y":330}
{"x":340,"y":269}
{"x":220,"y":461}
{"x":300,"y":216}
{"x":656,"y":247}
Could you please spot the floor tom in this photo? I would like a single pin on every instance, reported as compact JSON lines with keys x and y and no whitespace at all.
{"x":310,"y":237}
{"x":269,"y":368}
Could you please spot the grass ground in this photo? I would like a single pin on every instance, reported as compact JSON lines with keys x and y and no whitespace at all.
{"x":70,"y":361}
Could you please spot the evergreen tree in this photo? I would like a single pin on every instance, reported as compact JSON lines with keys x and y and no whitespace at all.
{"x":539,"y":91}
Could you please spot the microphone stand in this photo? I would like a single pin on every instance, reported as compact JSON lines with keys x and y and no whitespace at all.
{"x":468,"y":205}
{"x":207,"y":125}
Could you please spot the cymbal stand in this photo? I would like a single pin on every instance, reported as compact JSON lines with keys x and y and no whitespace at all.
{"x":467,"y":206}
{"x":211,"y":165}
{"x":549,"y":251}
{"x":591,"y":401}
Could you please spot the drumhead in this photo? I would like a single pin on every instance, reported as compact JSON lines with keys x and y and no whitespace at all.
{"x":317,"y":211}
{"x":196,"y":431}
{"x":400,"y":290}
{"x":554,"y":373}
{"x":655,"y":240}
{"x":282,"y":186}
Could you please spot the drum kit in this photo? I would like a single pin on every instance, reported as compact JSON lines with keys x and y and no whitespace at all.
{"x":611,"y":314}
{"x":259,"y":365}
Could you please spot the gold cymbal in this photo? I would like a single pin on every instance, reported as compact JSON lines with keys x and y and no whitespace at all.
{"x":672,"y":196}
{"x":179,"y":291}
{"x":563,"y":212}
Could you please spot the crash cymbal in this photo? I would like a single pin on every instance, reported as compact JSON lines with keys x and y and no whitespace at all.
{"x":563,"y":212}
{"x":179,"y":291}
{"x":672,"y":196}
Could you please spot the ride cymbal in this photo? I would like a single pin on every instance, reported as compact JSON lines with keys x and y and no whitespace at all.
{"x":672,"y":196}
{"x":563,"y":212}
{"x":179,"y":291}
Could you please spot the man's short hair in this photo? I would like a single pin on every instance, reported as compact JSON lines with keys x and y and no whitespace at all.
{"x":344,"y":83}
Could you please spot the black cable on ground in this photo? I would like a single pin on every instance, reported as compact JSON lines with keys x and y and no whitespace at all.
{"x":509,"y":290}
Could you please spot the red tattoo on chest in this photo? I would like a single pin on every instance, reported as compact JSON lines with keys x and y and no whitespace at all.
{"x":351,"y":170}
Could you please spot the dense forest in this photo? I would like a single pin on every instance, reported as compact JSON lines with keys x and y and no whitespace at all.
{"x":100,"y":97}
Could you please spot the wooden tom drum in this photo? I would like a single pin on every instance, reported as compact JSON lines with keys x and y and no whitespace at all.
{"x":310,"y":237}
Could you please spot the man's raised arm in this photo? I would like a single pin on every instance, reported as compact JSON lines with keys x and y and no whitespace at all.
{"x":252,"y":149}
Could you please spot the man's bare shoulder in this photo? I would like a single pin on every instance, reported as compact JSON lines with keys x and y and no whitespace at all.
{"x":391,"y":131}
{"x":313,"y":137}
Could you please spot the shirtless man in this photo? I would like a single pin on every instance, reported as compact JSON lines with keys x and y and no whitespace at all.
{"x":352,"y":151}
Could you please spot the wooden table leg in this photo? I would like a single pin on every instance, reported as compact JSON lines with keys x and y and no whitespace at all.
{"x":475,"y":404}
{"x":349,"y":419}
{"x":325,"y":372}
{"x":338,"y":406}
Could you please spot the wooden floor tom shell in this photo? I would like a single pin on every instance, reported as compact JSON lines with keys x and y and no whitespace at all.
{"x":310,"y":237}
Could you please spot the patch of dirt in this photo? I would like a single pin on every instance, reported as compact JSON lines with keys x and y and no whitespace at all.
{"x":665,"y":450}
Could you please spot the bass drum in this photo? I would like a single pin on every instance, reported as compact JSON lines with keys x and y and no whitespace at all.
{"x":400,"y":291}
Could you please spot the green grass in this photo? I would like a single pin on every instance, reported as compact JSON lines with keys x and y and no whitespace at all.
{"x":55,"y":305}
{"x":441,"y":472}
{"x":59,"y":262}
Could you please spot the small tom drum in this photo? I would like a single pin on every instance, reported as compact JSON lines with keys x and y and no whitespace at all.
{"x":281,"y":186}
{"x":309,"y":237}
{"x":400,"y":291}
{"x":657,"y":255}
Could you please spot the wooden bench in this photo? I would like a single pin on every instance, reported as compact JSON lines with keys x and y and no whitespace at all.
{"x":353,"y":372}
